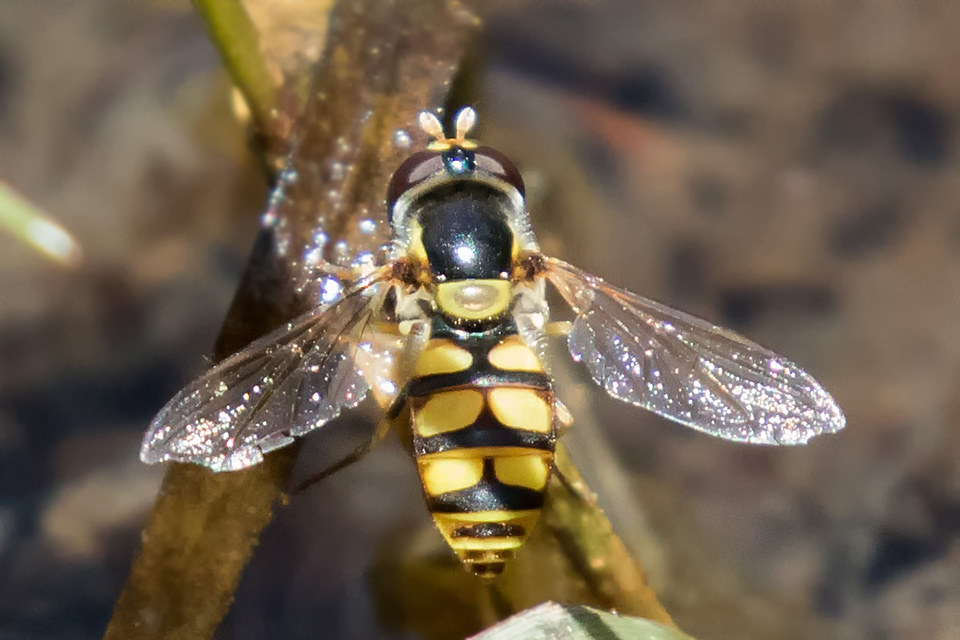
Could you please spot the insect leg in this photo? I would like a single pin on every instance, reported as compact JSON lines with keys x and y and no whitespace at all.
{"x":397,"y":406}
{"x":564,"y":416}
{"x":560,"y":328}
{"x":355,"y":456}
{"x":570,"y":478}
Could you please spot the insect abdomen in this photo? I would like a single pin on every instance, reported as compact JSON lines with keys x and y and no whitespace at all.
{"x":483,"y":433}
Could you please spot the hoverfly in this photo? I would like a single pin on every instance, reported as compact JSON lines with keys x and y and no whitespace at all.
{"x":452,"y":325}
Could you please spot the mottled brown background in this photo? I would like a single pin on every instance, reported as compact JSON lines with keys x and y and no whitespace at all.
{"x":787,"y":169}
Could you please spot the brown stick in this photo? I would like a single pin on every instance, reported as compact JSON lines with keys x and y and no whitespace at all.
{"x":383,"y":62}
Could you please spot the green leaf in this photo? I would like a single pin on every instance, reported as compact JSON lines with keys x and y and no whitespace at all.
{"x":551,"y":621}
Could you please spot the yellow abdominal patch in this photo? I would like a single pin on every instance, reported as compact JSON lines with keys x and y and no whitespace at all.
{"x":520,"y":409}
{"x":484,"y":544}
{"x":448,"y":411}
{"x":441,"y":475}
{"x":513,"y":354}
{"x":448,"y":522}
{"x":529,"y":471}
{"x":442,"y":356}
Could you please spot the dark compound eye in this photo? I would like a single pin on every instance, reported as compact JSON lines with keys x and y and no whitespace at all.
{"x":495,"y":162}
{"x":414,"y":170}
{"x":455,"y":161}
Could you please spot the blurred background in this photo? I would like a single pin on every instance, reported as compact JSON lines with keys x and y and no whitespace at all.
{"x":789,"y":170}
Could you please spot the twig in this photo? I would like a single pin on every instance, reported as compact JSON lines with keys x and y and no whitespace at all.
{"x":384,"y":61}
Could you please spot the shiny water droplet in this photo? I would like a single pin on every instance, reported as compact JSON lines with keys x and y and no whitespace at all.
{"x":401,"y":139}
{"x":268,"y":219}
{"x":388,"y":388}
{"x":313,"y":256}
{"x":330,"y":288}
{"x":364,"y":261}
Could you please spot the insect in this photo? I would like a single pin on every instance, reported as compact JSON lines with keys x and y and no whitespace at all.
{"x":451,"y":325}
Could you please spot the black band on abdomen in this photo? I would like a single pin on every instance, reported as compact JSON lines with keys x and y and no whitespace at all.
{"x":476,"y":377}
{"x":486,"y":431}
{"x":489,"y":530}
{"x":486,"y":496}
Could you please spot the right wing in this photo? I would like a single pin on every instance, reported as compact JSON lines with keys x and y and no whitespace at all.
{"x":287,"y":383}
{"x":687,"y":369}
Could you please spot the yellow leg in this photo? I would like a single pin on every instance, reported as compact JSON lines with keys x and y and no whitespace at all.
{"x":558,"y":328}
{"x":563,"y":416}
{"x":568,"y":476}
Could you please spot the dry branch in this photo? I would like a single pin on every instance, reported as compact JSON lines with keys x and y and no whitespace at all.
{"x":383,"y":62}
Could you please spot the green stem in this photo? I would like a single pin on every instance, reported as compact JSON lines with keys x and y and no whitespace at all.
{"x":236,"y":38}
{"x":30,"y":225}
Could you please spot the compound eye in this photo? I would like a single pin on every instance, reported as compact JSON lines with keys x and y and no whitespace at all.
{"x":414,"y":170}
{"x":498,"y":164}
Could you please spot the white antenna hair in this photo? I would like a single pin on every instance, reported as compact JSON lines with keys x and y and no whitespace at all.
{"x":465,"y":121}
{"x":431,"y":125}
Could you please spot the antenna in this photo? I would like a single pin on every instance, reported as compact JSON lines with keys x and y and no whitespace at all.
{"x":464,"y":122}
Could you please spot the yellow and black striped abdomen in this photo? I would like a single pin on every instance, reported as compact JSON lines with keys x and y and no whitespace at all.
{"x":483,"y":434}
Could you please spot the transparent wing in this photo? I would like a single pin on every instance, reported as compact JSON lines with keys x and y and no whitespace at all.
{"x":689,"y":370}
{"x":284,"y":384}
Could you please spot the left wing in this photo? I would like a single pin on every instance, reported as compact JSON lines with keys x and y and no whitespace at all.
{"x":689,"y":370}
{"x":282,"y":385}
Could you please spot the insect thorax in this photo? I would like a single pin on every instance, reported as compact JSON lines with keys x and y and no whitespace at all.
{"x":465,"y":233}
